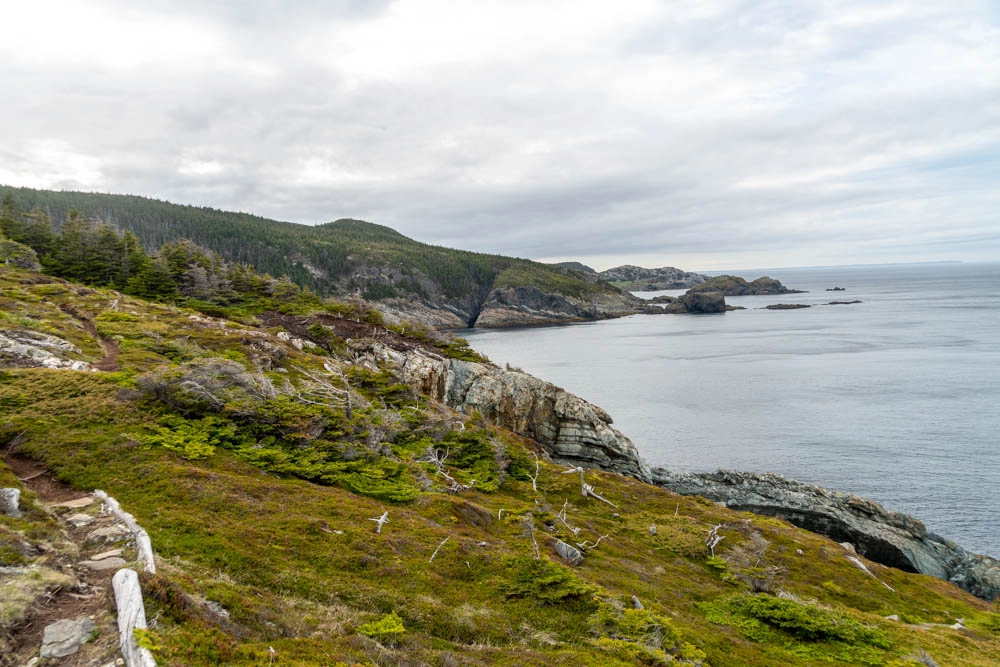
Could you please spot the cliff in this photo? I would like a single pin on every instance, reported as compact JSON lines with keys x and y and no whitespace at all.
{"x":529,"y":305}
{"x":571,"y":430}
{"x":637,"y":278}
{"x":886,"y":537}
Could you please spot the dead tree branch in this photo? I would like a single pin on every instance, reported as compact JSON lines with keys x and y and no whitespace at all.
{"x":381,"y":521}
{"x":434,"y":555}
{"x":714,"y":538}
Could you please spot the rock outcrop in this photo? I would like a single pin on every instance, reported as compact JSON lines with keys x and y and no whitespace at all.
{"x":736,"y":286}
{"x":690,"y":302}
{"x":33,"y":349}
{"x":886,"y":537}
{"x":528,"y":306}
{"x":571,"y":430}
{"x":639,"y":279}
{"x":704,"y":302}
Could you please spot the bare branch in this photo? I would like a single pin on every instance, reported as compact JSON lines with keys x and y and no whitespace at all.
{"x":434,"y":555}
{"x":588,"y":490}
{"x":381,"y":521}
{"x":530,"y":520}
{"x":714,"y":538}
{"x":587,"y":545}
{"x":534,"y":480}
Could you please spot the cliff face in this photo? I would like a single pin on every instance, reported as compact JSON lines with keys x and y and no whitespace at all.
{"x":886,"y":537}
{"x":570,"y":429}
{"x":637,"y":278}
{"x":527,"y":306}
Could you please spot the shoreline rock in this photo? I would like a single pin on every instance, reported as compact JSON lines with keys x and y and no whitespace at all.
{"x":890,"y":538}
{"x":736,"y":286}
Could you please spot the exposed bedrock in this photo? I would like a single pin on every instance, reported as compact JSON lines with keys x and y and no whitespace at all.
{"x":571,"y":430}
{"x":886,"y":537}
{"x":528,"y":306}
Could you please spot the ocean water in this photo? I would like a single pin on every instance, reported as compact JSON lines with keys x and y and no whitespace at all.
{"x":896,"y":398}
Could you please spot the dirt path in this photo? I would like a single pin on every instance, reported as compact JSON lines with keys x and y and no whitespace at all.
{"x":90,"y":597}
{"x":111,"y":348}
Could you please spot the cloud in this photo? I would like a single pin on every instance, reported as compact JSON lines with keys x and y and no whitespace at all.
{"x":706,"y":134}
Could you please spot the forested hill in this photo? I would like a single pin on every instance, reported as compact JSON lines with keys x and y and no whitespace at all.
{"x":441,"y":286}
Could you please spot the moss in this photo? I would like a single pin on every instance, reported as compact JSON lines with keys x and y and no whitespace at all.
{"x":262,"y":507}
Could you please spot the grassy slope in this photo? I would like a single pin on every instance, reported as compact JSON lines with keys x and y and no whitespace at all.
{"x":300,"y":569}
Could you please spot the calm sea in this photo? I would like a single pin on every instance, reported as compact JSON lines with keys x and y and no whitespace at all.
{"x":896,"y":398}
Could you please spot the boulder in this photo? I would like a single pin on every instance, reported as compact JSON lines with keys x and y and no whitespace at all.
{"x":10,"y":500}
{"x":65,"y":637}
{"x":569,"y":553}
{"x":22,"y":349}
{"x":704,"y":302}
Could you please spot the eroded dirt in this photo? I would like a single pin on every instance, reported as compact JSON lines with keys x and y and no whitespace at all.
{"x":91,"y":596}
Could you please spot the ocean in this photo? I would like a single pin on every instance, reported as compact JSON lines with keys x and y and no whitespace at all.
{"x":896,"y":398}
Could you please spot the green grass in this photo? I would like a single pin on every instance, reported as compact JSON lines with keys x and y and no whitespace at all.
{"x":263,"y":506}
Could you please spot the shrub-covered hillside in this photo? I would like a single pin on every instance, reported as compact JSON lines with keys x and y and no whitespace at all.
{"x":258,"y":460}
{"x":345,"y":257}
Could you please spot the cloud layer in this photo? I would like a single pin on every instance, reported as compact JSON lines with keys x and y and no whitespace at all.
{"x":705,"y":134}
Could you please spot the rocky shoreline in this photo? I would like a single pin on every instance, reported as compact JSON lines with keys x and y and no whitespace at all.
{"x":577,"y":433}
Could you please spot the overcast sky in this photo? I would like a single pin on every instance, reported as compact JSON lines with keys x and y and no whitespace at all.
{"x":705,"y":134}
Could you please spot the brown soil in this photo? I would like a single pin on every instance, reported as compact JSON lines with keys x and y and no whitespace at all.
{"x":91,"y":597}
{"x":110,"y":360}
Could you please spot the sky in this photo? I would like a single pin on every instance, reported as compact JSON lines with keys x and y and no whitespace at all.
{"x":703,"y":134}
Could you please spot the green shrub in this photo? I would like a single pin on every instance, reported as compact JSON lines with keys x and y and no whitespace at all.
{"x":386,"y":629}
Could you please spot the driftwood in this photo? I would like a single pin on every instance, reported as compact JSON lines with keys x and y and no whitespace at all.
{"x":131,"y":617}
{"x":142,"y":541}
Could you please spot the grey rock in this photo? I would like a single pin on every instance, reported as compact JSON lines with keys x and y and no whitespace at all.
{"x":77,"y":503}
{"x":886,"y":537}
{"x":704,"y":302}
{"x":638,"y":278}
{"x":115,"y":533}
{"x":65,"y":637}
{"x":113,"y":563}
{"x":527,"y":306}
{"x":80,"y":520}
{"x":10,"y":502}
{"x":32,"y":349}
{"x":569,"y":553}
{"x":571,"y":430}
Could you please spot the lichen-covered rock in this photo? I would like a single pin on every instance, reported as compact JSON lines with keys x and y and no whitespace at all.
{"x":18,"y":255}
{"x":65,"y":637}
{"x":569,"y":553}
{"x":33,"y":349}
{"x":886,"y":537}
{"x":570,"y":429}
{"x":10,"y":499}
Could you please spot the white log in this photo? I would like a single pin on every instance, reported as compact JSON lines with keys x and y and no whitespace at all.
{"x":142,"y":542}
{"x":131,"y":616}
